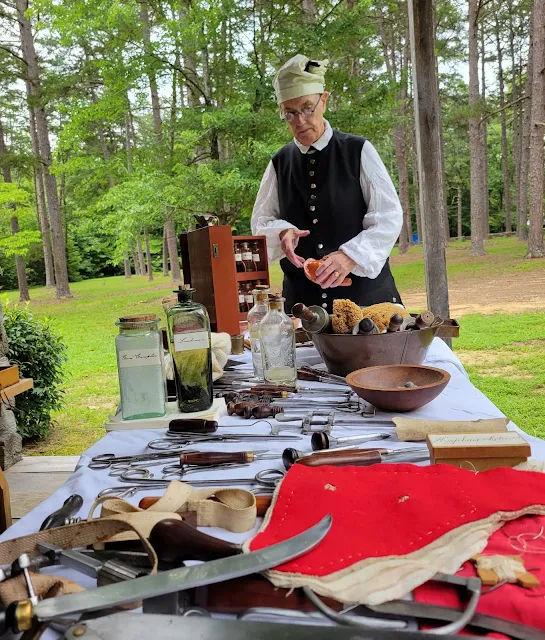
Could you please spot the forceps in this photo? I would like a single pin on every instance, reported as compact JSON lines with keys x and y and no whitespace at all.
{"x":174,"y":443}
{"x":174,"y":471}
{"x":106,"y":460}
{"x":267,"y":478}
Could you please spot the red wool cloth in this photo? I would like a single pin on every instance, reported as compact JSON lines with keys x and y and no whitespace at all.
{"x":388,"y":509}
{"x":510,"y":602}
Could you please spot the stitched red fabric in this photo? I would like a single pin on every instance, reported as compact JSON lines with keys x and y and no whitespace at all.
{"x":511,"y":602}
{"x":388,"y":509}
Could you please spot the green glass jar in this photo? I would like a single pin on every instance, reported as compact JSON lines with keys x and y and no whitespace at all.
{"x":190,"y":343}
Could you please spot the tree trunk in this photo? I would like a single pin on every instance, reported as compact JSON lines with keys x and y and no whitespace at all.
{"x":22,"y":282}
{"x":459,"y":202}
{"x":173,"y":107}
{"x":536,"y":247}
{"x":484,"y":133}
{"x":170,"y":232}
{"x":416,"y":192}
{"x":128,"y":147}
{"x":309,"y":11}
{"x":428,"y":139}
{"x":137,"y":266}
{"x":127,"y":267}
{"x":504,"y":152}
{"x":476,"y":152}
{"x":517,"y":109}
{"x":155,"y":105}
{"x":35,"y":101}
{"x":522,"y":205}
{"x":14,"y":222}
{"x":149,"y":265}
{"x":42,"y":207}
{"x":140,"y":256}
{"x":102,"y":140}
{"x":165,"y":252}
{"x":400,"y":147}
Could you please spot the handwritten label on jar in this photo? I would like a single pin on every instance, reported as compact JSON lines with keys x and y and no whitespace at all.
{"x":249,"y":299}
{"x":247,"y":255}
{"x":241,"y":298}
{"x":191,"y":340}
{"x":238,"y":257}
{"x":255,"y":257}
{"x":139,"y":358}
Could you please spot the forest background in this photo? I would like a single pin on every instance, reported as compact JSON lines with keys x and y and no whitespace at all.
{"x":121,"y":119}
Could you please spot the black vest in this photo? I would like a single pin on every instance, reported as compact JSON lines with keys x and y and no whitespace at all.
{"x":321,"y":192}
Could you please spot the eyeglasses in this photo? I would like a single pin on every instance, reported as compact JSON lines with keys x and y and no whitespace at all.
{"x":289,"y":116}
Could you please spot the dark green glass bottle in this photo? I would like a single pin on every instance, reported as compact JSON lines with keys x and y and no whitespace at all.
{"x":190,"y":347}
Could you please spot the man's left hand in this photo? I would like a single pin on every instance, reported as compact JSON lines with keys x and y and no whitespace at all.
{"x":334,"y":269}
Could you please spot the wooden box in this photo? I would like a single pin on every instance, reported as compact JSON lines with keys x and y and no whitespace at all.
{"x":478,"y":451}
{"x":8,"y":376}
{"x":208,"y":263}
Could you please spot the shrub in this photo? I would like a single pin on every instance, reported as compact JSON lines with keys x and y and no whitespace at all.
{"x":40,"y":354}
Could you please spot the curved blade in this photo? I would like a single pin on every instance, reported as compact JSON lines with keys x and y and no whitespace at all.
{"x":184,"y":578}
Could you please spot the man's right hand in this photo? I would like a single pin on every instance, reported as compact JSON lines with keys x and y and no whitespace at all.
{"x":289,"y":239}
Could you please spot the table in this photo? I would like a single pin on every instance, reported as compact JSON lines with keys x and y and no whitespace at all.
{"x":459,"y":401}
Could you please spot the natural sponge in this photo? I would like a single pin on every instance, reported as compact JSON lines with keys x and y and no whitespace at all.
{"x":381,"y":313}
{"x":346,"y":315}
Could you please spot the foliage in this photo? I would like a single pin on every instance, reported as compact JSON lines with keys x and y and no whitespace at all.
{"x":41,"y":355}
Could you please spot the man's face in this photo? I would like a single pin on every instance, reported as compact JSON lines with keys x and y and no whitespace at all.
{"x":306,"y":129}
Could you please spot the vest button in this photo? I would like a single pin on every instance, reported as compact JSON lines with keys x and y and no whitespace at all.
{"x":324,"y":305}
{"x":313,"y":196}
{"x":311,"y":173}
{"x":324,"y":295}
{"x":312,"y":207}
{"x":315,"y":221}
{"x":313,"y":186}
{"x":312,"y":161}
{"x":320,"y":246}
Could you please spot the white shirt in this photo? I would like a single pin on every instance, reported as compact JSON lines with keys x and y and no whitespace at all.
{"x":381,"y":224}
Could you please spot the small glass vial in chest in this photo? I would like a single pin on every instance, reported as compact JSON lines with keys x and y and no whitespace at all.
{"x":238,"y":258}
{"x":255,"y":256}
{"x":140,"y":367}
{"x":247,"y":257}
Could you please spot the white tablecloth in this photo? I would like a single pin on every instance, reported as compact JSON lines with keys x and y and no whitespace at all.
{"x":459,"y":401}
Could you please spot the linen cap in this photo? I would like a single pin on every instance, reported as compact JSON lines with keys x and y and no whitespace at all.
{"x":299,"y":76}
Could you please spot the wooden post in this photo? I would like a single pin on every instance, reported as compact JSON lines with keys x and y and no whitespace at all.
{"x":428,"y":148}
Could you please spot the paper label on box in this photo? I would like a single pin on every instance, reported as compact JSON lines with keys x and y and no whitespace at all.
{"x":476,"y":439}
{"x":139,"y":358}
{"x":191,"y":340}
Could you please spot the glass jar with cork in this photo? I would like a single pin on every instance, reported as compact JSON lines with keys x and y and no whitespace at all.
{"x":140,"y":367}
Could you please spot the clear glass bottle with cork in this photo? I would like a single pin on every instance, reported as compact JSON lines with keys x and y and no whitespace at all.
{"x":140,"y":367}
{"x":255,"y":316}
{"x":247,"y":260}
{"x":277,"y":338}
{"x":190,"y":343}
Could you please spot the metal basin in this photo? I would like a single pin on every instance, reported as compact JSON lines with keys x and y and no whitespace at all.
{"x":385,"y":386}
{"x":343,"y":354}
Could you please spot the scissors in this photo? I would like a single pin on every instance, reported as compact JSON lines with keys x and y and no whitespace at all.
{"x":265,"y":478}
{"x":173,"y":471}
{"x":173,"y":444}
{"x":107,"y":460}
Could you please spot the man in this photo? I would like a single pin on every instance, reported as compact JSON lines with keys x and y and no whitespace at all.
{"x":327,"y":195}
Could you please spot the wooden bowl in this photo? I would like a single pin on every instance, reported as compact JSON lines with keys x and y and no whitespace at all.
{"x":345,"y":353}
{"x":385,"y":386}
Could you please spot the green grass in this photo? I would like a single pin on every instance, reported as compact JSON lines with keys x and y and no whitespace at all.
{"x":503,"y":354}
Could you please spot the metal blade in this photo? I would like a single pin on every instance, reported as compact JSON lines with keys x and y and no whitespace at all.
{"x":185,"y":577}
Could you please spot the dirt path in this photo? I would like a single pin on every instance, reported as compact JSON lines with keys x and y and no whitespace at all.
{"x":513,"y":293}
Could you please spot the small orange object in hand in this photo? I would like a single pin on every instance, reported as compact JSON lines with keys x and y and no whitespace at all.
{"x":311,"y":266}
